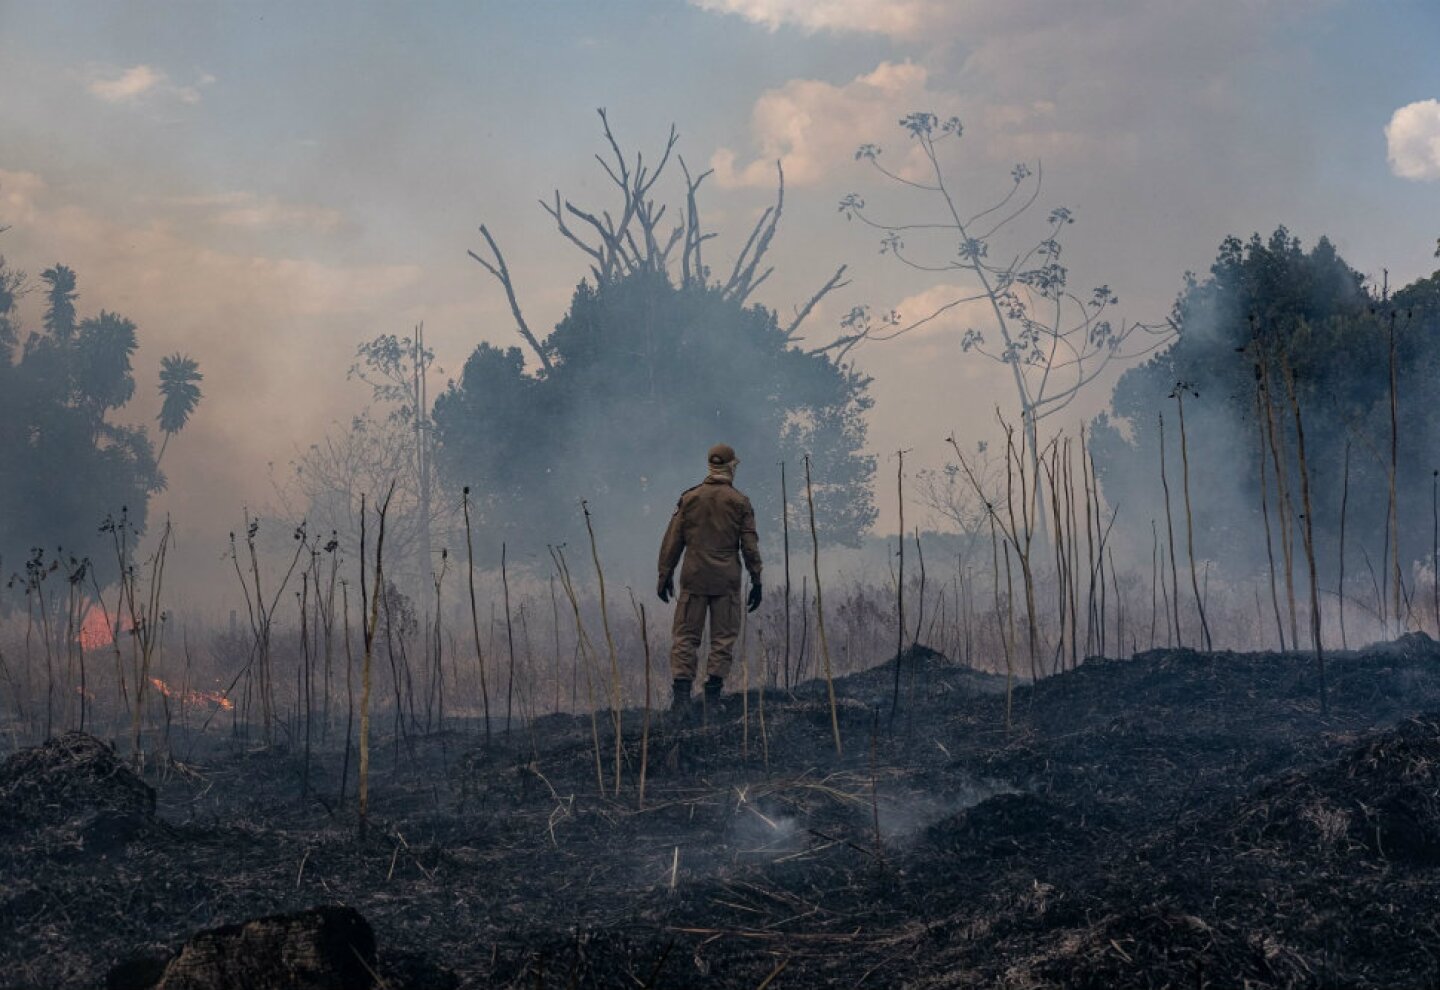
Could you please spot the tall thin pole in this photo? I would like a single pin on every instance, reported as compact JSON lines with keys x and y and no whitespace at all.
{"x":1283,"y":500}
{"x":1398,"y":591}
{"x":615,"y":698}
{"x":899,"y":584}
{"x":474,"y":617}
{"x":785,"y":527}
{"x":820,"y":610}
{"x":1435,"y":538}
{"x":1340,"y":589}
{"x":509,"y":639}
{"x":1308,"y":533}
{"x":422,"y":456}
{"x":1180,"y":388}
{"x":1154,"y":570}
{"x":1265,"y":516}
{"x":1170,"y":529}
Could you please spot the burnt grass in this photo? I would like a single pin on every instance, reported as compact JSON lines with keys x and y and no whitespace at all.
{"x":1178,"y":819}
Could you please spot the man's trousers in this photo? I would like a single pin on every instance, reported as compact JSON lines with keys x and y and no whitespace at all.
{"x":691,"y":611}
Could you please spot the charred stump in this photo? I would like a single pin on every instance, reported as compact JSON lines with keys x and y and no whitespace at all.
{"x":323,"y":948}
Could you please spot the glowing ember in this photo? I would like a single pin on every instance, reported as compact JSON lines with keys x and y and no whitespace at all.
{"x":193,"y":697}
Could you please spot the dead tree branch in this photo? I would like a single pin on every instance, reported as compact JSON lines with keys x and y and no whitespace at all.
{"x":502,"y":273}
{"x":692,"y":263}
{"x":742,"y":279}
{"x":829,"y":287}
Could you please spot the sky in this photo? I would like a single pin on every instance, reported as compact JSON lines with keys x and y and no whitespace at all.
{"x":264,"y":185}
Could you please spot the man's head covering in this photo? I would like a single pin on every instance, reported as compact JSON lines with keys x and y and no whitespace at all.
{"x":722,"y":462}
{"x":720,"y":454}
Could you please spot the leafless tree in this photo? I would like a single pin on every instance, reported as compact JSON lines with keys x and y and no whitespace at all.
{"x":397,"y":370}
{"x":636,"y":237}
{"x":324,"y":482}
{"x":948,"y":494}
{"x":1054,"y":340}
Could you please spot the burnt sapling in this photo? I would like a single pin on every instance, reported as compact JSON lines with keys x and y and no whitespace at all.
{"x":1284,"y":502}
{"x":1308,"y":531}
{"x":474,"y":617}
{"x":639,"y":610}
{"x":1260,"y":425}
{"x":616,"y":701}
{"x":509,"y":642}
{"x":900,"y":585}
{"x":371,"y":625}
{"x":584,"y":649}
{"x":1170,"y":531}
{"x":785,"y":538}
{"x":261,"y":612}
{"x":820,"y":610}
{"x":1179,"y":396}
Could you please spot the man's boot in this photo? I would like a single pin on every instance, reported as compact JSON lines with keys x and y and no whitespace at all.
{"x":681,"y":708}
{"x":713,"y":685}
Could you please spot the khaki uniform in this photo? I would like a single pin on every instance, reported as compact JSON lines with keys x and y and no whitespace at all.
{"x":714,"y":526}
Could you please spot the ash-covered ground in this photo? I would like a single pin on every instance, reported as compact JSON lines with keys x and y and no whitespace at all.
{"x":1179,"y":819}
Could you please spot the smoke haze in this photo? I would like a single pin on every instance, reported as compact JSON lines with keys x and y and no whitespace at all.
{"x":265,"y":187}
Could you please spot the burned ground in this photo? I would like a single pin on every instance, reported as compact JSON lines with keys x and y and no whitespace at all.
{"x":1179,"y":819}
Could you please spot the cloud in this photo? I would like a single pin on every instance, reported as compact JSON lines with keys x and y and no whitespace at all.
{"x":949,"y":310}
{"x":18,"y":191}
{"x":925,"y":385}
{"x":1074,"y":80}
{"x":814,"y":127}
{"x":935,"y":319}
{"x":251,"y":211}
{"x":131,"y":84}
{"x":811,"y":125}
{"x":1413,"y":140}
{"x":940,"y":22}
{"x":144,"y":82}
{"x":893,"y":18}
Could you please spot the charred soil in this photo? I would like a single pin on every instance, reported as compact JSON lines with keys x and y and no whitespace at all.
{"x":1178,"y":819}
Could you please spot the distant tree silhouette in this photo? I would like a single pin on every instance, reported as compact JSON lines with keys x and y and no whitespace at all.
{"x":645,"y":376}
{"x":658,"y":358}
{"x":178,"y":377}
{"x":389,"y":442}
{"x":67,"y":465}
{"x":1268,"y":302}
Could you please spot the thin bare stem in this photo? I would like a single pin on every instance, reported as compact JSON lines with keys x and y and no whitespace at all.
{"x":820,"y":611}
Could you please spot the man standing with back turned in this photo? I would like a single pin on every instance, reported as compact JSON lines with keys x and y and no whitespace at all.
{"x":713,"y":526}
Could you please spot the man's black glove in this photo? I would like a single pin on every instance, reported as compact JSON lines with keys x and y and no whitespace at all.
{"x":754,"y":601}
{"x":666,"y":587}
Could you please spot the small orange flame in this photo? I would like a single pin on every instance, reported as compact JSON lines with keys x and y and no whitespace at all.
{"x":193,"y":697}
{"x":95,"y":631}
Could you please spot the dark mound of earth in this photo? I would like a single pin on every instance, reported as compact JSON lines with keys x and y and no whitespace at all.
{"x":1161,"y":946}
{"x":1002,"y":825}
{"x":74,"y":787}
{"x":1383,"y":796}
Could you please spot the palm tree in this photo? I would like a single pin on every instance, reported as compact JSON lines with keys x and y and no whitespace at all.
{"x":178,"y":375}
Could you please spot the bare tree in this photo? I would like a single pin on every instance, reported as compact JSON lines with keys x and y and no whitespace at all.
{"x":324,"y":482}
{"x":1054,"y":340}
{"x":635,"y":236}
{"x":954,"y":499}
{"x":396,"y":369}
{"x":390,"y":441}
{"x":1022,"y":491}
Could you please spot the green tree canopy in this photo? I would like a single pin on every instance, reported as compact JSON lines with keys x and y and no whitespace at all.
{"x":644,"y":377}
